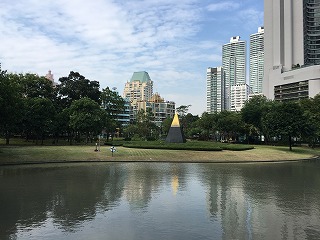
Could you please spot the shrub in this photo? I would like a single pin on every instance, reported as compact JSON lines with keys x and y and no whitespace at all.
{"x":192,"y":145}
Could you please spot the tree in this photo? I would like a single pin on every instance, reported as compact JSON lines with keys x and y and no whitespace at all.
{"x":187,"y":123}
{"x":38,"y":117}
{"x":207,"y":124}
{"x":33,"y":86}
{"x":75,"y":87}
{"x":252,"y":114}
{"x":10,"y":105}
{"x":230,"y":124}
{"x":311,"y":107}
{"x":285,"y":119}
{"x":166,"y":124}
{"x":113,"y":105}
{"x":87,"y":117}
{"x":144,"y":127}
{"x":182,"y":110}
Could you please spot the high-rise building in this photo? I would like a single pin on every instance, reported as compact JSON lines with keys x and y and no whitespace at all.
{"x":239,"y":95}
{"x":234,"y":65}
{"x":292,"y":49}
{"x":256,"y":64}
{"x":139,"y":92}
{"x":140,"y":87}
{"x":215,"y":90}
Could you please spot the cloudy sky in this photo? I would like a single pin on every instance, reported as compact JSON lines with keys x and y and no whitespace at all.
{"x":108,"y":40}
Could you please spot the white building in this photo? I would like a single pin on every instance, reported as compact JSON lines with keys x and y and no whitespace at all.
{"x":215,"y":90}
{"x":239,"y":95}
{"x":139,"y":88}
{"x":139,"y":92}
{"x":234,"y":65}
{"x":292,"y":49}
{"x":256,"y":64}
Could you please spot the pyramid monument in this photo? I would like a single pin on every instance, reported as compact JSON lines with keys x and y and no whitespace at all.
{"x":175,"y":134}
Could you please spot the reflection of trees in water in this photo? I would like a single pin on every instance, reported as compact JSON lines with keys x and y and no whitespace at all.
{"x":69,"y":195}
{"x":81,"y":193}
{"x":72,"y":194}
{"x":281,"y":197}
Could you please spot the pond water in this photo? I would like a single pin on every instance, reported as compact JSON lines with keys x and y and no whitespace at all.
{"x":160,"y":201}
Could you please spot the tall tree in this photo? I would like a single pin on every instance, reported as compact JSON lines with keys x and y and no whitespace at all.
{"x":311,"y":108}
{"x":208,"y":125}
{"x":34,"y":86}
{"x":38,"y":117}
{"x":113,"y":105}
{"x":252,"y":114}
{"x":10,"y":105}
{"x":76,"y":86}
{"x":86,"y":117}
{"x":230,"y":124}
{"x":183,"y":110}
{"x":285,"y":120}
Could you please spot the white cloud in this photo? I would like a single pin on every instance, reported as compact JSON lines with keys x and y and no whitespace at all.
{"x":223,"y":6}
{"x":252,"y":18}
{"x":107,"y":40}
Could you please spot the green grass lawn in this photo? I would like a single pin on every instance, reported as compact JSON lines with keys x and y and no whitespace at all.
{"x":38,"y":154}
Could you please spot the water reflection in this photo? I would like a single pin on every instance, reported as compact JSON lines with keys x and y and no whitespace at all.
{"x":171,"y":201}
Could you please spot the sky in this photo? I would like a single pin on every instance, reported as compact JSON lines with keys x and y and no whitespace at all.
{"x":108,"y":40}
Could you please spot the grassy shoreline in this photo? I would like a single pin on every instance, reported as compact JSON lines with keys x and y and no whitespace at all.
{"x":57,"y":154}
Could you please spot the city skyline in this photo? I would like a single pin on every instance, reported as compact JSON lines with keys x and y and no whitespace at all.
{"x":109,"y":40}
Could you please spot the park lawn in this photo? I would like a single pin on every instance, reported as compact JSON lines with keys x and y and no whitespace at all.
{"x":44,"y":154}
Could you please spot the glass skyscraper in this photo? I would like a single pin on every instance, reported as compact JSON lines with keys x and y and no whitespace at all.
{"x":234,"y":65}
{"x":311,"y":11}
{"x":256,"y":64}
{"x":215,"y":90}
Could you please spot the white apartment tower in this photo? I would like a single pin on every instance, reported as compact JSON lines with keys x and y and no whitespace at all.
{"x":215,"y":90}
{"x":234,"y":65}
{"x":139,"y":88}
{"x":256,"y":61}
{"x":292,"y":49}
{"x":239,"y":95}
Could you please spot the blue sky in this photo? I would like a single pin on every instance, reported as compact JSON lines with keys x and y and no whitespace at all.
{"x":108,"y":40}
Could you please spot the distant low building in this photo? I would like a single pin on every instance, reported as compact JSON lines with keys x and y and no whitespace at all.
{"x":160,"y":108}
{"x":124,"y":117}
{"x":50,"y":77}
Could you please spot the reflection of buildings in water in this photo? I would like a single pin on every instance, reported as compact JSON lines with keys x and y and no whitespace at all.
{"x":175,"y":184}
{"x":137,"y":194}
{"x":228,"y":203}
{"x":251,"y":209}
{"x":140,"y":183}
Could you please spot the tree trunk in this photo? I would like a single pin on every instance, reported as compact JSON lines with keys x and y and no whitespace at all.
{"x":290,"y":143}
{"x":7,"y":137}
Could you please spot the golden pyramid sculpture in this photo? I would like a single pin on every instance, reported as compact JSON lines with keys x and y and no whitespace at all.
{"x":175,"y":134}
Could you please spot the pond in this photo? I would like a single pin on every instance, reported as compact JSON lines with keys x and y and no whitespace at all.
{"x":160,"y":201}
